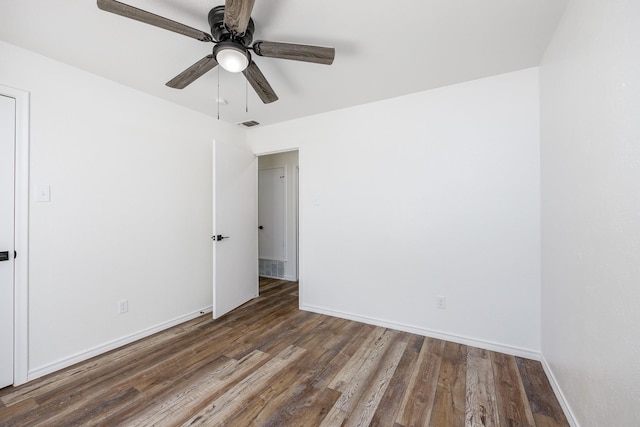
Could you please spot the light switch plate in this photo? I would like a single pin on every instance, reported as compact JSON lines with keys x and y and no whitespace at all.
{"x":42,"y":193}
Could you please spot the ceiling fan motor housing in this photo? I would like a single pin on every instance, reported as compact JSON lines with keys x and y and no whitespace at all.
{"x":221,"y":33}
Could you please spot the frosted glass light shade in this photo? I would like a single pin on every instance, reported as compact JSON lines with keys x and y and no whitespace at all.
{"x":232,"y":59}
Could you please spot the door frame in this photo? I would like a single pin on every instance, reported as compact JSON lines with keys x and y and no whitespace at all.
{"x":21,"y":262}
{"x":299,"y":220}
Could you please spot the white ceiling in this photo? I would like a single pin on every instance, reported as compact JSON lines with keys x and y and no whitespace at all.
{"x":383,"y":49}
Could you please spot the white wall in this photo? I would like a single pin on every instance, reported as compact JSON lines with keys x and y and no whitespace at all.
{"x":130,"y":210}
{"x":289,"y":161}
{"x":590,"y":133}
{"x":435,"y":193}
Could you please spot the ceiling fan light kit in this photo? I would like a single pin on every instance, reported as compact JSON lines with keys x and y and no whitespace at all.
{"x":232,"y":32}
{"x":231,"y":56}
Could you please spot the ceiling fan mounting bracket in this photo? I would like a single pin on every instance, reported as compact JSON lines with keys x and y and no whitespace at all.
{"x":221,"y":33}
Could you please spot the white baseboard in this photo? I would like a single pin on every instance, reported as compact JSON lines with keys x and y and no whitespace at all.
{"x":287,"y":278}
{"x":559,"y":394}
{"x":266,"y":276}
{"x":487,"y":345}
{"x":88,"y":354}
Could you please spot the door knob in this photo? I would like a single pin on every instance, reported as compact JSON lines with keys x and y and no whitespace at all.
{"x":4,"y":256}
{"x":260,"y":227}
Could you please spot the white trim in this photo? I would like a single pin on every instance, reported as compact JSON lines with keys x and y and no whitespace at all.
{"x":566,"y":408}
{"x":266,"y":276}
{"x":21,"y":265}
{"x":487,"y":345}
{"x":300,"y":224}
{"x":272,"y":259}
{"x":213,"y":227}
{"x":296,"y":195}
{"x":256,"y":223}
{"x":111,"y":345}
{"x":285,"y":278}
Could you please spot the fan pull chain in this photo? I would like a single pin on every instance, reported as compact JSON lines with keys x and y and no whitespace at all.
{"x":218,"y":96}
{"x":246,"y":95}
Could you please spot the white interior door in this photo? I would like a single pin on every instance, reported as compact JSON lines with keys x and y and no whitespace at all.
{"x":7,"y":244}
{"x":271,"y":214}
{"x":235,"y":222}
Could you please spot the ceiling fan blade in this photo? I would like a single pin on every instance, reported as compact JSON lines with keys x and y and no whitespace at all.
{"x":237,"y":14}
{"x":192,"y":73}
{"x":127,"y":11}
{"x":259,"y":83}
{"x":296,"y":52}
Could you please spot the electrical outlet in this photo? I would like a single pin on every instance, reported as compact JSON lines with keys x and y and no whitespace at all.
{"x":441,"y":302}
{"x":123,"y":306}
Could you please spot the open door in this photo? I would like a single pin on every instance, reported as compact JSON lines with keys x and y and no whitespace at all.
{"x":235,"y":226}
{"x":7,"y":264}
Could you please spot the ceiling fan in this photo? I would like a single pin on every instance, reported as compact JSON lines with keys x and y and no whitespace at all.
{"x":232,"y":32}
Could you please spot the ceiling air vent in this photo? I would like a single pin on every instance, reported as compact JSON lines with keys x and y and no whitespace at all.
{"x":250,"y":123}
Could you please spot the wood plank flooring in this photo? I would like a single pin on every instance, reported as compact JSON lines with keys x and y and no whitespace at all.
{"x":270,"y":364}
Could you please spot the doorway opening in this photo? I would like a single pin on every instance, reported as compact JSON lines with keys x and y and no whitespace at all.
{"x":278,"y":179}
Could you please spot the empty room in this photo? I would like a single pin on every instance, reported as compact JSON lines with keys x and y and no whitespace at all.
{"x":461,"y":213}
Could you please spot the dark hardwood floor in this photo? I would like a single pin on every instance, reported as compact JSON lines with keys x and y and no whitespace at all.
{"x":270,"y":364}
